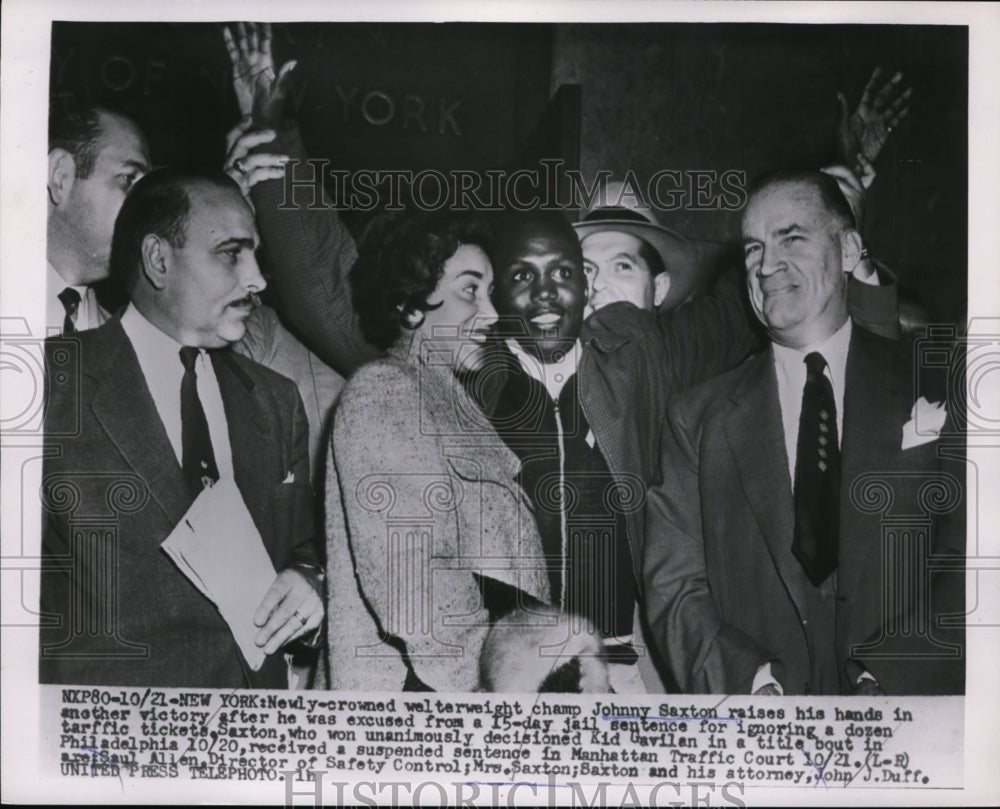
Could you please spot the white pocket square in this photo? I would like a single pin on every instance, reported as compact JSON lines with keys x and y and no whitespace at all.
{"x":290,"y":477}
{"x":924,"y":426}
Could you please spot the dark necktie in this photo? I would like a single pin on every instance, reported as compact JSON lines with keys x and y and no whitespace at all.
{"x":817,"y":476}
{"x":196,"y":443}
{"x":70,"y":299}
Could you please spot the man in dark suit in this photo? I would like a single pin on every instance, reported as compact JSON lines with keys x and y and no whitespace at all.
{"x":787,"y":543}
{"x":158,"y":409}
{"x":95,"y":156}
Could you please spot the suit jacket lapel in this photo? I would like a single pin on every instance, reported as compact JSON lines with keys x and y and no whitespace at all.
{"x":125,"y":409}
{"x":757,"y":439}
{"x":872,"y":384}
{"x":248,"y":428}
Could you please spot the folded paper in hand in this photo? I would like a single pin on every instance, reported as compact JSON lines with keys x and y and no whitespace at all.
{"x":218,"y":547}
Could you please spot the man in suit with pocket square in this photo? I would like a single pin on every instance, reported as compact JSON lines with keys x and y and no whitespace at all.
{"x":795,"y":544}
{"x":158,"y":409}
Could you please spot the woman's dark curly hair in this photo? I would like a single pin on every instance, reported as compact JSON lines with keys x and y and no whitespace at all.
{"x":401,"y":260}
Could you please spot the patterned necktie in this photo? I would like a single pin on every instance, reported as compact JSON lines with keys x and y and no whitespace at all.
{"x":70,"y":299}
{"x":817,"y":476}
{"x":196,"y":442}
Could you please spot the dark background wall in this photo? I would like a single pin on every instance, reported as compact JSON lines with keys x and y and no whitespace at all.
{"x":754,"y":97}
{"x":368,"y":95}
{"x":650,"y":96}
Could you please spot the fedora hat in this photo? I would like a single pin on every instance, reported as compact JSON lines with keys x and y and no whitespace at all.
{"x":626,"y":213}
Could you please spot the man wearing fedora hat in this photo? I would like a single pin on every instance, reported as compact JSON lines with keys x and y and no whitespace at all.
{"x":629,"y":256}
{"x":627,"y":253}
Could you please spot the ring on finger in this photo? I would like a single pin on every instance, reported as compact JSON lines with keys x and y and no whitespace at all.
{"x":241,"y":168}
{"x":301,"y":618}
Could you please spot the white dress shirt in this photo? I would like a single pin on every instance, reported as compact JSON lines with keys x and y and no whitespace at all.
{"x":790,"y":364}
{"x":89,"y":315}
{"x":160,"y":363}
{"x":553,"y":375}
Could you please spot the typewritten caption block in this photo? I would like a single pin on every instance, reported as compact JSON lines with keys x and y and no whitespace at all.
{"x":827,"y":743}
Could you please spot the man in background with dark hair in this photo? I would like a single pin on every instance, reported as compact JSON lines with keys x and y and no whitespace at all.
{"x":626,"y":253}
{"x":766,"y":566}
{"x":161,"y":412}
{"x":95,"y":155}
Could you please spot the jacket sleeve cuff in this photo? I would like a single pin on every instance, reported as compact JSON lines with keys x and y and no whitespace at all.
{"x":876,"y":307}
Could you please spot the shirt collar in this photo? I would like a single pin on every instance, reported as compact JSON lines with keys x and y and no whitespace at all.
{"x":834,"y":351}
{"x":57,"y":283}
{"x":552,"y":375}
{"x":149,"y":342}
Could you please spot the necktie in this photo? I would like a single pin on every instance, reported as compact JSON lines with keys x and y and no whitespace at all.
{"x":817,"y":476}
{"x":70,"y":299}
{"x":196,"y":443}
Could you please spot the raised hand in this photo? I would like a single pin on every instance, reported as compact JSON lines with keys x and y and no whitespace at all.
{"x":867,"y":130}
{"x":259,"y":92}
{"x":249,"y":169}
{"x":852,"y":186}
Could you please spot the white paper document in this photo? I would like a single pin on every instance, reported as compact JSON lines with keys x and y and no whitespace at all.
{"x":218,"y":547}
